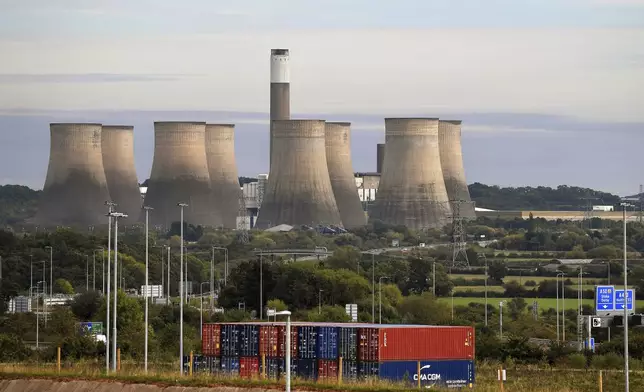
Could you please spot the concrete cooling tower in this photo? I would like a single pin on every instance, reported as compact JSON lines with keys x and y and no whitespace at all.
{"x":299,"y":189}
{"x":338,"y":158}
{"x":75,"y":189}
{"x":412,"y":191}
{"x":220,"y":152}
{"x":180,"y":175}
{"x":451,"y":153}
{"x":118,"y":161}
{"x":380,"y":157}
{"x":280,"y":90}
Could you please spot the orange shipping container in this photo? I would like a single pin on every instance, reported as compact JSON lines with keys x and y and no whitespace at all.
{"x":211,"y":341}
{"x":248,"y":367}
{"x":327,"y":369}
{"x":282,"y":341}
{"x":269,"y":340}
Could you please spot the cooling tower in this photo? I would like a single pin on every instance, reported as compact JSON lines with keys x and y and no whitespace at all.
{"x":75,"y":188}
{"x":280,"y":90}
{"x":451,"y":153}
{"x":299,"y":189}
{"x":412,"y":191}
{"x":220,"y":152}
{"x":118,"y":161}
{"x":338,"y":158}
{"x":380,"y":157}
{"x":180,"y":174}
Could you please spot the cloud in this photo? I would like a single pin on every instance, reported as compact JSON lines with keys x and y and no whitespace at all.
{"x":86,"y":78}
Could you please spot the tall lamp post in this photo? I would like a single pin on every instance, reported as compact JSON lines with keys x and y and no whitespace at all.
{"x":201,"y":311}
{"x":110,"y":207}
{"x":212,"y":271}
{"x":181,"y":206}
{"x":486,"y":278}
{"x":287,"y":347}
{"x":320,"y":291}
{"x":501,"y":319}
{"x":626,"y":365}
{"x":380,"y":298}
{"x":147,"y":280}
{"x":116,"y":216}
{"x":51,"y":273}
{"x":559,"y":273}
{"x":373,"y":287}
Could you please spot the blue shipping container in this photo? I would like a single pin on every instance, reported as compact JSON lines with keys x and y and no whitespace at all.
{"x":248,"y":340}
{"x":307,"y":341}
{"x":275,"y":368}
{"x":349,"y":370}
{"x":327,"y":344}
{"x":368,"y":369}
{"x":348,"y":343}
{"x":229,"y":340}
{"x":230,"y":365}
{"x":307,"y":369}
{"x":446,"y":374}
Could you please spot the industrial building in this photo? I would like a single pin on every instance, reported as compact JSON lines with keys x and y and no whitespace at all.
{"x":298,"y":191}
{"x":117,"y":143}
{"x":75,"y":188}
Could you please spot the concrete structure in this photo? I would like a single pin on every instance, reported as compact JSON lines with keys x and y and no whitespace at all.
{"x":380,"y":156}
{"x":220,"y":153}
{"x":299,"y":189}
{"x":75,"y":189}
{"x":451,"y":156}
{"x":412,"y":190}
{"x":367,"y":184}
{"x":338,"y":158}
{"x":19,"y":304}
{"x":280,"y":90}
{"x":118,"y":161}
{"x":180,"y":175}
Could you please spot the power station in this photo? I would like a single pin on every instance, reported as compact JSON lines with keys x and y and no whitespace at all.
{"x":120,"y":172}
{"x":75,"y":188}
{"x":220,"y":153}
{"x":451,"y":157}
{"x":299,"y":190}
{"x":280,"y":91}
{"x":338,"y":157}
{"x":180,"y":175}
{"x":412,"y":190}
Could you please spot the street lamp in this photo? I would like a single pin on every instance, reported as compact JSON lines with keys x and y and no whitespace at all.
{"x":201,"y":311}
{"x":501,"y":320}
{"x":147,"y":282}
{"x":380,"y":298}
{"x":116,"y":216}
{"x":559,"y":273}
{"x":261,"y":285}
{"x":110,"y":207}
{"x":86,"y":273}
{"x":181,"y":206}
{"x":51,"y":273}
{"x":486,"y":278}
{"x":626,"y":370}
{"x":320,"y":301}
{"x":287,"y":347}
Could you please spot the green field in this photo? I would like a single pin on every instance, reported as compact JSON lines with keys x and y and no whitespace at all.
{"x":496,"y":289}
{"x":523,"y":279}
{"x":544,"y":303}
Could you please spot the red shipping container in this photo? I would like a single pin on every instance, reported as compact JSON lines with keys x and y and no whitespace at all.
{"x":211,"y":341}
{"x":327,"y":369}
{"x":282,"y":341}
{"x":269,"y":340}
{"x":248,"y":367}
{"x":415,"y":343}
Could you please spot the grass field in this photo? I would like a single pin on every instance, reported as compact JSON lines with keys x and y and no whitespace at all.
{"x":544,"y":303}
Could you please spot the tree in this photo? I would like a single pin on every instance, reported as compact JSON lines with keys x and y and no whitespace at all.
{"x":497,"y":270}
{"x":577,"y":252}
{"x":516,"y":306}
{"x":346,"y":257}
{"x":329,"y":314}
{"x":64,"y":287}
{"x":424,"y":309}
{"x":86,"y":305}
{"x":276,"y":304}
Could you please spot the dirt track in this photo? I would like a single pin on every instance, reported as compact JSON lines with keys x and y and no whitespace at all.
{"x":106,"y":386}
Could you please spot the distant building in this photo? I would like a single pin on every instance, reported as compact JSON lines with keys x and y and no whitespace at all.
{"x":367,"y":184}
{"x":20,"y":304}
{"x":152,"y":291}
{"x":603,"y":208}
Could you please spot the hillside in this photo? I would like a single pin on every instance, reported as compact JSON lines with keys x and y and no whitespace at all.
{"x":17,"y":203}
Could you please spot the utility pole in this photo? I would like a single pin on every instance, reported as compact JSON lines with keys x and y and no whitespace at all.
{"x":459,"y":244}
{"x":626,"y":367}
{"x":110,"y":207}
{"x":242,"y":221}
{"x":147,"y":281}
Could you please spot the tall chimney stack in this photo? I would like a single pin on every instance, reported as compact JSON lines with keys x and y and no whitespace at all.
{"x":280,"y":90}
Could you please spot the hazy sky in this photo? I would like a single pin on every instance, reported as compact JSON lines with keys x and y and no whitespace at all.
{"x":539,"y":68}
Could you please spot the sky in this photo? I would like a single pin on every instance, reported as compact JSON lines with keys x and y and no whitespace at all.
{"x":550,"y":91}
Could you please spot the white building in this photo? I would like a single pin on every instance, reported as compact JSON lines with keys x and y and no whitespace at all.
{"x":20,"y":304}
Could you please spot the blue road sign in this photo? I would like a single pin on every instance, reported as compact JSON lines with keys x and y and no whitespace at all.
{"x":604,"y":298}
{"x":590,"y":344}
{"x":619,"y":299}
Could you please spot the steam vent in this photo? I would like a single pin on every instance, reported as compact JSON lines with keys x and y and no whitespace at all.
{"x":180,"y":175}
{"x":280,"y":90}
{"x":299,"y":189}
{"x":412,"y":191}
{"x":338,"y":157}
{"x":118,"y":161}
{"x":75,"y":189}
{"x":220,"y":153}
{"x":449,"y":142}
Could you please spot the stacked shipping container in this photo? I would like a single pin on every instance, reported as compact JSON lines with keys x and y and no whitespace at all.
{"x":445,"y":355}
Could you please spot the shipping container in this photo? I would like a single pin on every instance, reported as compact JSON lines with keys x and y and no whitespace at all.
{"x":269,"y":340}
{"x":307,"y":369}
{"x":327,"y":343}
{"x":348,"y":343}
{"x":211,"y":340}
{"x":248,"y":367}
{"x":367,"y":369}
{"x":384,"y":343}
{"x":230,"y":365}
{"x":275,"y":368}
{"x":327,"y":369}
{"x":433,"y":374}
{"x":248,"y":340}
{"x":212,"y":365}
{"x":229,"y":340}
{"x":307,"y":342}
{"x":349,"y":370}
{"x":282,"y":341}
